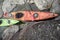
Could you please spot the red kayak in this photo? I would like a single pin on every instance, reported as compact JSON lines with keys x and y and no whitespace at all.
{"x":31,"y":15}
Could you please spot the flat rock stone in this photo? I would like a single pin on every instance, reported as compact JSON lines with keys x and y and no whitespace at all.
{"x":8,"y":33}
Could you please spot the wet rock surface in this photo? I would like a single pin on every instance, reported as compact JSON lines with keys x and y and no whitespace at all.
{"x":47,"y":30}
{"x":1,"y":11}
{"x":9,"y":32}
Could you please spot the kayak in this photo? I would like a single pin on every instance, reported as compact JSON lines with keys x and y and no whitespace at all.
{"x":7,"y":22}
{"x":31,"y":15}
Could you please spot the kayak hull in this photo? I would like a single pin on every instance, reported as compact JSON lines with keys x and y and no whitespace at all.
{"x":32,"y":15}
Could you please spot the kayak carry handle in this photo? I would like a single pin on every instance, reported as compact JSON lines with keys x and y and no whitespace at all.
{"x":35,"y":15}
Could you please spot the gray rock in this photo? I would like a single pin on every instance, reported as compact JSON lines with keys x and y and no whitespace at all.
{"x":55,"y":7}
{"x":2,"y":30}
{"x":47,"y":30}
{"x":1,"y":11}
{"x":9,"y":5}
{"x":8,"y":33}
{"x":43,"y":4}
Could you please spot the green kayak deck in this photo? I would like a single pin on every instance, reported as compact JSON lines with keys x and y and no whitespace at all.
{"x":7,"y":22}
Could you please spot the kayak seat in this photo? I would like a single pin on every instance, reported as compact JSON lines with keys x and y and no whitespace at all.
{"x":19,"y":15}
{"x":8,"y":21}
{"x":0,"y":21}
